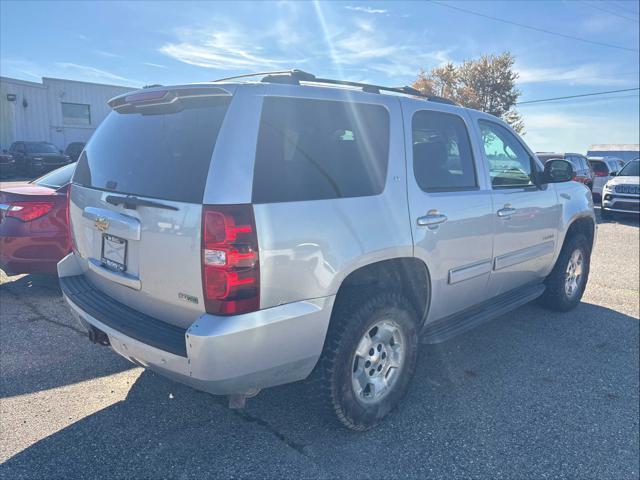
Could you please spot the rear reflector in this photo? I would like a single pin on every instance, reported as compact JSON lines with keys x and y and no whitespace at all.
{"x":28,"y":211}
{"x":230,"y":260}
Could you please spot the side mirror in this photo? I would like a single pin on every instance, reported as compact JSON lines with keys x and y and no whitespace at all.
{"x":558,"y":171}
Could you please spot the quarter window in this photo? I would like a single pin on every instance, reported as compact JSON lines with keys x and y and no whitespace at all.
{"x":76,"y":114}
{"x":442,"y":158}
{"x":316,"y":149}
{"x":510,"y":165}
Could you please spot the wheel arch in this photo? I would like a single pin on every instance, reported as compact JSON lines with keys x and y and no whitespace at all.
{"x":585,"y":225}
{"x":407,"y":275}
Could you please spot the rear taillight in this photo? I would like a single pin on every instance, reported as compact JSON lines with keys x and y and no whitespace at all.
{"x":67,"y":218}
{"x":28,"y":211}
{"x":230,"y":261}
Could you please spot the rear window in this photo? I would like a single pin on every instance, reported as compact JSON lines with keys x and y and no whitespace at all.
{"x":163,"y":154}
{"x":599,"y":167}
{"x":316,"y":149}
{"x":57,"y":178}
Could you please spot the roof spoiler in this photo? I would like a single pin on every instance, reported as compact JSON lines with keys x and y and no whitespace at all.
{"x":141,"y":100}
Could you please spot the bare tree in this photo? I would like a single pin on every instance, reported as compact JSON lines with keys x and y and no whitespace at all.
{"x":486,"y":84}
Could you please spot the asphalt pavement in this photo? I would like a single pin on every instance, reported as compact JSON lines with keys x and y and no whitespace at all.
{"x":533,"y":394}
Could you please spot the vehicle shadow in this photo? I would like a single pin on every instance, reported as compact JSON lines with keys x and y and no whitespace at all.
{"x":41,"y":344}
{"x":629,"y":219}
{"x":528,"y":394}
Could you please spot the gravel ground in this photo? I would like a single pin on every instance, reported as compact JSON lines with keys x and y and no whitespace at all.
{"x":532,"y":394}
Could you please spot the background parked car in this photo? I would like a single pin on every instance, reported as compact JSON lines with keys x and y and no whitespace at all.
{"x":73,"y":150}
{"x":34,"y":158}
{"x":7,"y":164}
{"x":622,"y":192}
{"x":604,"y":169}
{"x":34,"y":231}
{"x":584,"y":173}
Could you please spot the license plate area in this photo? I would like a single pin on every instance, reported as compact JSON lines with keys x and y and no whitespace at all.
{"x":114,"y":253}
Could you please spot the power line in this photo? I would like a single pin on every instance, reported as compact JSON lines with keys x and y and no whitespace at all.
{"x":625,"y":9}
{"x":577,"y":96}
{"x":609,"y":12}
{"x":531,"y":27}
{"x":589,"y":99}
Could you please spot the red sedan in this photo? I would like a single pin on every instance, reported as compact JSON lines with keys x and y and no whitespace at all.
{"x":34,"y":232}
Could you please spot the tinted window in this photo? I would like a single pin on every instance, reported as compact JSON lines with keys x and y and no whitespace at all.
{"x":163,"y":155}
{"x":40,"y":147}
{"x":442,"y":158}
{"x":510,"y":165}
{"x":599,"y":167}
{"x":56,"y":179}
{"x":74,"y":148}
{"x":576,"y":162}
{"x":631,"y":169}
{"x":316,"y":149}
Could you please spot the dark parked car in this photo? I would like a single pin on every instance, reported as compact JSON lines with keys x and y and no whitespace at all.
{"x":34,"y":158}
{"x":73,"y":150}
{"x":34,"y":231}
{"x":7,"y":164}
{"x":584,"y":172}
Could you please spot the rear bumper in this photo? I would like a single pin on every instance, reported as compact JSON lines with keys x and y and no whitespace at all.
{"x":31,"y":253}
{"x":220,"y":355}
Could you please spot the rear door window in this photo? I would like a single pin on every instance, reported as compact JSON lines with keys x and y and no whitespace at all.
{"x":442,"y":158}
{"x":163,"y":154}
{"x":316,"y":149}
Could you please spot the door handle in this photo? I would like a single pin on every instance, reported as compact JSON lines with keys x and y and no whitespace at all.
{"x":506,"y":211}
{"x":431,"y":219}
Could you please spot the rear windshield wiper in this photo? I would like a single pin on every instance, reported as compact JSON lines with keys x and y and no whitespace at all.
{"x":134,"y":202}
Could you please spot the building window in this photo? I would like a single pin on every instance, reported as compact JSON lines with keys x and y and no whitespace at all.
{"x":76,"y":114}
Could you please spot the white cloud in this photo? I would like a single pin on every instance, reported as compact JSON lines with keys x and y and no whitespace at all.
{"x":93,"y":74}
{"x":104,"y":53}
{"x":587,"y":74}
{"x":565,"y":130}
{"x":228,"y":49}
{"x":156,"y":65}
{"x":361,"y":44}
{"x":599,"y":23}
{"x":366,"y":9}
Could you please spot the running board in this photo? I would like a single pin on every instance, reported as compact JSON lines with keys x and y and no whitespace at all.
{"x":454,"y":325}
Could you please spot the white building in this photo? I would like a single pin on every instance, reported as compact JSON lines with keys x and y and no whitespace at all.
{"x":56,"y":110}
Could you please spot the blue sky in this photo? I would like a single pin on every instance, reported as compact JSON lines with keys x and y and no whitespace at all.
{"x":140,"y":43}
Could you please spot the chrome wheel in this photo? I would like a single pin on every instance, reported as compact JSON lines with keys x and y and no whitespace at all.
{"x":378,"y":361}
{"x":573,"y":276}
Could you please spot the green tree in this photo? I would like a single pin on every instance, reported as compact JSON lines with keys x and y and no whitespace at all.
{"x":487,"y":84}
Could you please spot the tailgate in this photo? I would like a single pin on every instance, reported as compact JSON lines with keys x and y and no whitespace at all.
{"x":136,"y":200}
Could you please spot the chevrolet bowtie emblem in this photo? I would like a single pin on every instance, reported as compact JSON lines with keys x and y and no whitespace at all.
{"x":101,"y":224}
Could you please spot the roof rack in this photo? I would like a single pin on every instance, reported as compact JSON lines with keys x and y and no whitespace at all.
{"x":294,"y":77}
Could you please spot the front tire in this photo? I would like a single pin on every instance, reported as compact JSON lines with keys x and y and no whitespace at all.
{"x":567,"y":281}
{"x":369,"y":359}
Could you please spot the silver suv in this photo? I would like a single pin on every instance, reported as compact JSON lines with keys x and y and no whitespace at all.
{"x":235,"y":236}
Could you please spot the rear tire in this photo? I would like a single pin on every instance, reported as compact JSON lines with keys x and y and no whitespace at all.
{"x":369,"y":359}
{"x":567,"y":281}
